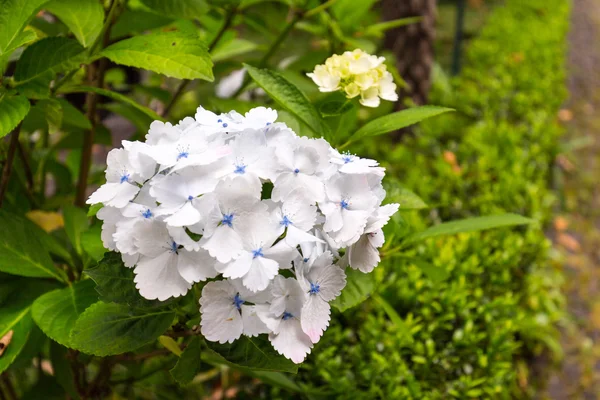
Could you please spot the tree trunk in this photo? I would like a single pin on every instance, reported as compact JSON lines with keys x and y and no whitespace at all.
{"x":412,"y":46}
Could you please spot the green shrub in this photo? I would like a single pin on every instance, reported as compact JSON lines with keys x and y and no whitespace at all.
{"x":493,"y":298}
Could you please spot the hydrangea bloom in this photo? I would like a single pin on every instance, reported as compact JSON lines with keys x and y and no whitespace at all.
{"x":356,"y":73}
{"x":236,"y":200}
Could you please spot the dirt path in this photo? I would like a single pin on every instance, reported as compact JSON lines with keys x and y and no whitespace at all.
{"x":577,"y":224}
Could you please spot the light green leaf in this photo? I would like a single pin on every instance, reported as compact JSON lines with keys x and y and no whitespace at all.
{"x":170,"y":344}
{"x":173,"y":54}
{"x":12,"y":111}
{"x":380,"y":28}
{"x":21,"y":252}
{"x":434,"y":273}
{"x":14,"y":16}
{"x":289,"y":97}
{"x":76,"y":222}
{"x":397,"y":120}
{"x":255,"y":353}
{"x":407,"y":199}
{"x":359,"y":286}
{"x":469,"y":225}
{"x":106,"y":329}
{"x":83,"y":17}
{"x":188,"y":365}
{"x":186,"y":9}
{"x":94,"y":208}
{"x":114,"y":96}
{"x":92,"y":243}
{"x":47,"y":57}
{"x":56,"y":312}
{"x":232,"y":49}
{"x":73,"y":117}
{"x":53,"y":112}
{"x":114,"y":283}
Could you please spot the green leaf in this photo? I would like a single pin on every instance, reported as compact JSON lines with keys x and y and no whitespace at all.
{"x":378,"y":29}
{"x":359,"y":286}
{"x":115,"y":96}
{"x":185,"y":9}
{"x":232,"y":49}
{"x":393,"y":315}
{"x":56,"y":312}
{"x":469,"y":225}
{"x":49,"y":242}
{"x":137,"y":118}
{"x":135,"y":22}
{"x":289,"y":97}
{"x":407,"y":199}
{"x":106,"y":329}
{"x":335,"y":108}
{"x":92,"y":243}
{"x":114,"y":282}
{"x":173,"y":54}
{"x":397,"y":120}
{"x":53,"y":112}
{"x":188,"y":365}
{"x":255,"y":353}
{"x":83,"y":17}
{"x":16,"y":297}
{"x":73,"y":117}
{"x":47,"y":57}
{"x":14,"y":16}
{"x":76,"y":222}
{"x":94,"y":208}
{"x":434,"y":273}
{"x":21,"y":252}
{"x":12,"y":111}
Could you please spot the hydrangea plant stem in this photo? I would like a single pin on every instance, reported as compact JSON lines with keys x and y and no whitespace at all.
{"x":6,"y":171}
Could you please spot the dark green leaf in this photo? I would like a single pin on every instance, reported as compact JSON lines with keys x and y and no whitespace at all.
{"x":359,"y":286}
{"x":21,"y":252}
{"x":186,"y":9}
{"x":107,"y":328}
{"x":56,"y":312}
{"x":469,"y":225}
{"x":289,"y":97}
{"x":335,"y":108}
{"x":114,"y":282}
{"x":76,"y":222}
{"x":188,"y":365}
{"x":48,"y":57}
{"x":135,"y":22}
{"x":62,"y":369}
{"x":73,"y":117}
{"x":83,"y":17}
{"x":393,"y":315}
{"x":12,"y":111}
{"x":173,"y":54}
{"x":397,"y":120}
{"x":255,"y":353}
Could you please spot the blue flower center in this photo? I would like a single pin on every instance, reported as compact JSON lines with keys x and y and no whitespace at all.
{"x":240,"y":169}
{"x":174,"y":247}
{"x":306,"y":259}
{"x":238,"y":301}
{"x":268,"y":123}
{"x":344,"y":204}
{"x":314,"y":288}
{"x":183,"y":154}
{"x":257,"y":253}
{"x":125,"y":177}
{"x":347,"y":159}
{"x":147,"y":214}
{"x":224,"y":124}
{"x":285,"y":221}
{"x":296,"y":170}
{"x":286,"y":316}
{"x":227,"y":220}
{"x":219,"y":120}
{"x":190,"y":197}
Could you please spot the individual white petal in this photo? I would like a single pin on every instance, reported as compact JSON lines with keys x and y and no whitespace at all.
{"x":261,"y":272}
{"x":363,"y":256}
{"x":315,"y":317}
{"x":114,"y":194}
{"x":295,"y":236}
{"x":236,"y":268}
{"x":186,"y":215}
{"x":130,"y":259}
{"x":158,"y":278}
{"x":253,"y":325}
{"x":224,"y":244}
{"x":196,"y":266}
{"x":328,"y":281}
{"x":291,"y":341}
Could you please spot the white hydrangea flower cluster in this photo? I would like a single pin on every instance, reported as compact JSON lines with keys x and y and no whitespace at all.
{"x":356,"y":73}
{"x":188,"y":205}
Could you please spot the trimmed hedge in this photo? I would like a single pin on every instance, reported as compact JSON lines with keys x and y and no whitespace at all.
{"x":468,"y":326}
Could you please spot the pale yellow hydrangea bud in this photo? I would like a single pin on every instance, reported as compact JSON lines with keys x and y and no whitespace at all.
{"x":356,"y":73}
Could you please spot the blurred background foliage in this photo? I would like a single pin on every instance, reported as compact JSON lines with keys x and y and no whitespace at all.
{"x":465,"y":321}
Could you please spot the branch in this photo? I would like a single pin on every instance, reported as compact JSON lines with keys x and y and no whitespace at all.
{"x":26,"y":166}
{"x":12,"y":148}
{"x":9,"y":387}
